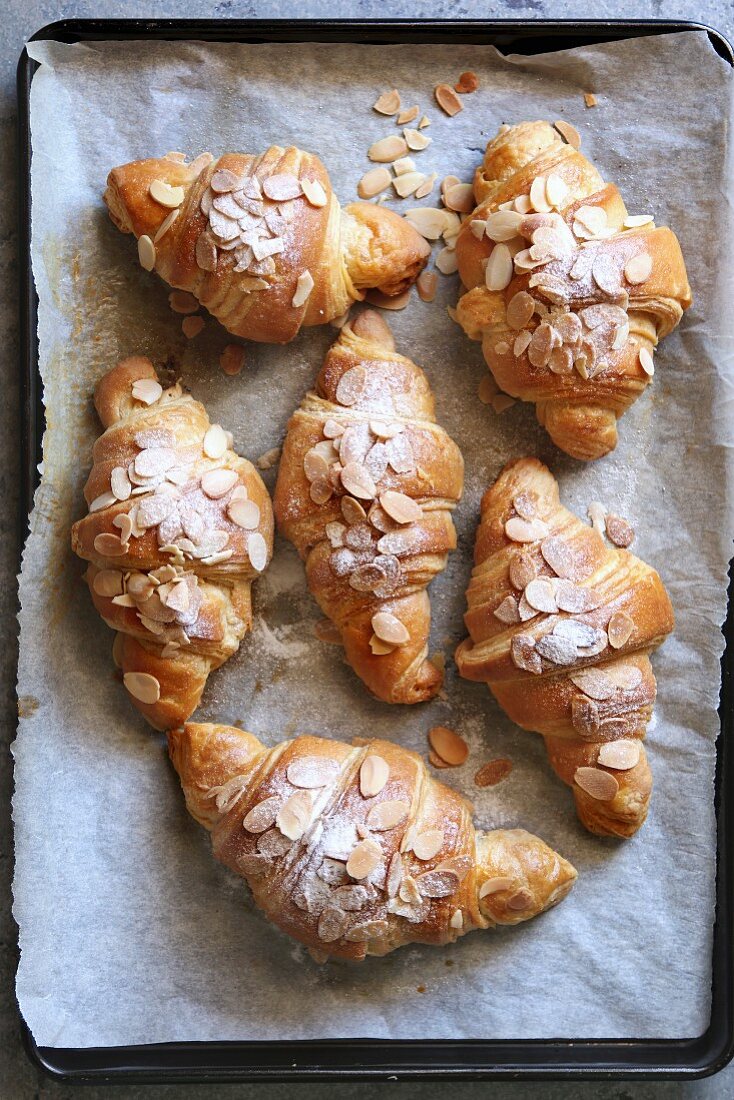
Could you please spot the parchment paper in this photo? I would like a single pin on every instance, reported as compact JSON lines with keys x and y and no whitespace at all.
{"x":129,"y":931}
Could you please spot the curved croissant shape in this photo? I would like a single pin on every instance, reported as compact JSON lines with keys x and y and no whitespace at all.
{"x":178,"y":527}
{"x":568,"y":295}
{"x":261,"y":241}
{"x":366,"y":486}
{"x":356,"y":850}
{"x":561,"y":627}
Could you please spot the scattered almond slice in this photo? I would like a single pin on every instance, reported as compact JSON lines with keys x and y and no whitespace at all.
{"x":387,"y":149}
{"x":415,"y":140}
{"x":448,"y":745}
{"x":447,"y":99}
{"x":192,"y":326}
{"x":502,"y":402}
{"x":403,"y":165}
{"x":427,"y":186}
{"x":467,"y":83}
{"x":373,"y":182}
{"x":568,"y":132}
{"x":142,"y":686}
{"x":425,"y":121}
{"x":589,"y":99}
{"x":408,"y":115}
{"x":384,"y":301}
{"x":459,"y":197}
{"x":408,"y":183}
{"x":146,"y":252}
{"x":487,"y":390}
{"x":426,"y":285}
{"x":493,"y":772}
{"x":446,"y":261}
{"x":232,"y":359}
{"x":430,"y":221}
{"x":388,"y":103}
{"x":181,"y":301}
{"x":436,"y":760}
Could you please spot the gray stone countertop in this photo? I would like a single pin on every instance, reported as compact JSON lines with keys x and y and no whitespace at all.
{"x":19,"y":1079}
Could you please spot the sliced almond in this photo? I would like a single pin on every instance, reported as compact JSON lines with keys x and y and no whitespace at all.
{"x":426,"y":285}
{"x":493,"y":772}
{"x":449,"y":745}
{"x":373,"y":775}
{"x":109,"y":546}
{"x":357,"y":481}
{"x":436,"y":760}
{"x":304,"y":286}
{"x":619,"y":531}
{"x":244,"y":513}
{"x":619,"y":629}
{"x":428,"y":844}
{"x":232,"y":359}
{"x":142,"y":686}
{"x":646,"y":362}
{"x":294,"y":816}
{"x":460,"y":197}
{"x":215,"y":442}
{"x":503,"y":225}
{"x":520,"y":530}
{"x":499,"y":270}
{"x":351,"y":385}
{"x":403,"y":166}
{"x":181,"y":301}
{"x":538,"y":196}
{"x":457,"y":920}
{"x":638,"y":269}
{"x":446,"y":261}
{"x":388,"y":301}
{"x":415,"y":140}
{"x":447,"y":99}
{"x":217,"y":483}
{"x":590,"y":99}
{"x":104,"y":500}
{"x":487,"y":390}
{"x":165,"y":225}
{"x":425,"y":121}
{"x":262,"y":816}
{"x":600,"y":785}
{"x":364,"y":858}
{"x":568,"y":132}
{"x":384,"y":816}
{"x":620,"y":755}
{"x":495,"y":886}
{"x":192,"y":326}
{"x":108,"y":583}
{"x":314,"y":192}
{"x":388,"y":103}
{"x":408,"y":115}
{"x":429,"y":221}
{"x":146,"y":252}
{"x":401,"y":508}
{"x":468,"y":82}
{"x":311,"y":772}
{"x":378,"y":647}
{"x":373,"y":183}
{"x":633,"y":221}
{"x":387,"y":149}
{"x":257,"y":551}
{"x":282,"y":186}
{"x":408,"y":183}
{"x":389,"y":628}
{"x":166,"y":195}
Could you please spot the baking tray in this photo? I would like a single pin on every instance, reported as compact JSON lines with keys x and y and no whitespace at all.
{"x":368,"y":1059}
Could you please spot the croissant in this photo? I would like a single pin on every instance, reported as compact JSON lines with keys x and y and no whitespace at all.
{"x":261,"y":241}
{"x":357,"y":851}
{"x":561,"y":628}
{"x":178,"y":527}
{"x":568,"y":295}
{"x":366,"y":485}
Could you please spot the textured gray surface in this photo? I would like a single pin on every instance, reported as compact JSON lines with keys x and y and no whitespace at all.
{"x":18,"y":1079}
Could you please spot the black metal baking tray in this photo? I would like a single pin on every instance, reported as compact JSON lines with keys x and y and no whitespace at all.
{"x":375,"y":1059}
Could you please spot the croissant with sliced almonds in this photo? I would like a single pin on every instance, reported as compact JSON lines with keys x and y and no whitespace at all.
{"x":561,"y":627}
{"x":178,"y":528}
{"x":261,"y":241}
{"x":357,"y":850}
{"x":568,"y":294}
{"x":366,"y":486}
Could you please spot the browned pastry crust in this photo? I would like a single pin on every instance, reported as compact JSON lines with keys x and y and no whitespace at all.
{"x":356,"y":851}
{"x":579,"y":675}
{"x":363,"y":563}
{"x":564,"y":321}
{"x":242,"y":253}
{"x":170,"y":568}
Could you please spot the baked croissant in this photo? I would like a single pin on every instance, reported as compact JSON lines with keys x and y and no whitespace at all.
{"x":366,"y":485}
{"x":356,"y":851}
{"x":178,"y":527}
{"x":561,"y":627}
{"x":568,"y":295}
{"x":261,"y":241}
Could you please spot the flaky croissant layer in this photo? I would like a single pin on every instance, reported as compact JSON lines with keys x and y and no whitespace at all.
{"x":568,"y":294}
{"x":560,"y":629}
{"x":177,"y":529}
{"x":366,"y":486}
{"x":261,"y":241}
{"x":356,"y":850}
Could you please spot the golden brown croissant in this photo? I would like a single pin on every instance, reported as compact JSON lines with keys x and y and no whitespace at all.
{"x":568,"y":294}
{"x":356,"y":851}
{"x":261,"y":241}
{"x":561,"y":627}
{"x":178,"y":527}
{"x":366,"y":485}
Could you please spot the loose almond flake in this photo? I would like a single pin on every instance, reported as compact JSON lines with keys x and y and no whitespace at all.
{"x":429,"y":221}
{"x":143,"y":687}
{"x":600,"y":785}
{"x":634,"y":221}
{"x":447,"y":99}
{"x":192,"y":326}
{"x":388,"y":103}
{"x":620,"y":755}
{"x":415,"y":140}
{"x":446,"y":261}
{"x":448,"y":745}
{"x":387,"y":149}
{"x":493,"y":772}
{"x":408,"y":183}
{"x":460,"y":197}
{"x":401,"y":167}
{"x":232,"y":359}
{"x":408,"y":115}
{"x":388,"y":301}
{"x":468,"y":82}
{"x":146,"y":252}
{"x":426,"y":284}
{"x":619,"y":531}
{"x":373,"y":183}
{"x":373,"y":775}
{"x":262,"y":816}
{"x":589,"y":99}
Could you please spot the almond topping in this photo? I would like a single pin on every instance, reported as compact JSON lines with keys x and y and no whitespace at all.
{"x":429,"y":221}
{"x":384,"y":816}
{"x":281,"y":187}
{"x":448,"y":745}
{"x":408,"y":115}
{"x":245,"y":513}
{"x":217,"y":483}
{"x":314,"y":192}
{"x":357,"y":481}
{"x":215,"y":442}
{"x":400,"y":507}
{"x":109,"y":546}
{"x":638,"y":269}
{"x":389,"y":628}
{"x":408,"y":183}
{"x":311,"y":771}
{"x":181,"y":301}
{"x":304,"y":286}
{"x":262,"y":816}
{"x":166,"y":195}
{"x":364,"y":858}
{"x":460,"y":197}
{"x":388,"y":103}
{"x":619,"y":531}
{"x":427,"y":186}
{"x":142,"y":686}
{"x":108,"y":582}
{"x":165,"y":225}
{"x":494,"y":886}
{"x":499,"y":269}
{"x":520,"y":530}
{"x":447,"y":99}
{"x":257,"y":551}
{"x":620,"y":755}
{"x":487,"y":390}
{"x":428,"y":844}
{"x":379,"y":648}
{"x":373,"y":775}
{"x":646,"y":362}
{"x":619,"y":629}
{"x":600,"y":785}
{"x":568,"y":132}
{"x":447,"y":262}
{"x":294,"y":816}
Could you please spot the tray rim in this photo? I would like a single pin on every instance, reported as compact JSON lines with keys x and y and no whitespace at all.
{"x":530,"y":1059}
